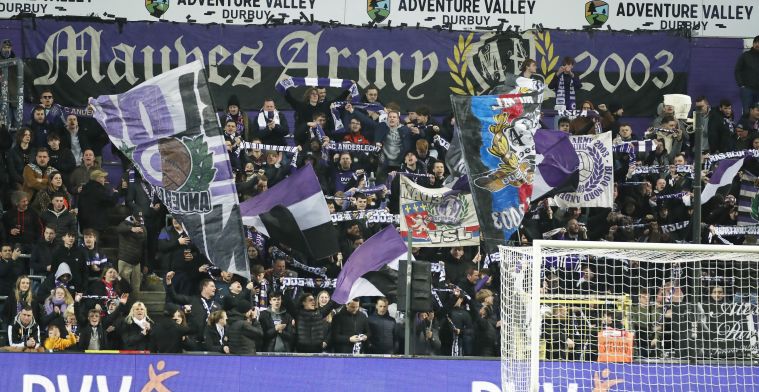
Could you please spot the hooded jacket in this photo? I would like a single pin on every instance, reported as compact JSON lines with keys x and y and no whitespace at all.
{"x":18,"y":333}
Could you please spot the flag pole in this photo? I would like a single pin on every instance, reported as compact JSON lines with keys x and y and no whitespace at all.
{"x":698,"y":124}
{"x":408,"y":326}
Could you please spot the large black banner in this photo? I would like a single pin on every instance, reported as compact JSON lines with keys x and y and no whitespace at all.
{"x":410,"y":66}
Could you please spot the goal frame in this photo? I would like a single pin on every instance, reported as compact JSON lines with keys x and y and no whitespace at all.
{"x":535,"y":284}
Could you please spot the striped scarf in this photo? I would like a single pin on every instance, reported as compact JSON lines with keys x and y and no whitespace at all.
{"x":634,"y":147}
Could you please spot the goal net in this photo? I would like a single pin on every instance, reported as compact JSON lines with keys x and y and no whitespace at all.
{"x":605,"y":316}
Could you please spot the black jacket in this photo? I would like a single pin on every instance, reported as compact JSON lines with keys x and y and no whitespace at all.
{"x":310,"y":327}
{"x":9,"y":271}
{"x":198,"y":315}
{"x":171,"y":338}
{"x":747,"y":69}
{"x":95,"y":201}
{"x":383,"y":338}
{"x":243,"y":334}
{"x":345,"y":325}
{"x":213,"y":341}
{"x":133,"y":338}
{"x":270,"y":333}
{"x":74,"y":257}
{"x":85,"y":329}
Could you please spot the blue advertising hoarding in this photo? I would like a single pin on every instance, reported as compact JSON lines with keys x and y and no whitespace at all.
{"x":147,"y":373}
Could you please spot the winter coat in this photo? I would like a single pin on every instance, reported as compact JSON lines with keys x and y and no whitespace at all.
{"x":36,"y":178}
{"x":95,"y":201}
{"x":74,"y":257}
{"x":382,"y":339}
{"x":243,"y":335}
{"x":747,"y":69}
{"x":63,"y":221}
{"x":18,"y":334}
{"x":213,"y":341}
{"x":131,"y":244}
{"x":29,"y":223}
{"x":270,"y":333}
{"x":133,"y":338}
{"x":345,"y":325}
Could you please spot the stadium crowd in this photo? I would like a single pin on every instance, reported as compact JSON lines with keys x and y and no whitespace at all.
{"x":57,"y":202}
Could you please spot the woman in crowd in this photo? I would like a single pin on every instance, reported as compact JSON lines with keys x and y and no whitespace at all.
{"x":55,"y":185}
{"x":136,"y":329}
{"x":216,"y":333}
{"x":19,"y":156}
{"x":20,"y":296}
{"x":110,"y":286}
{"x":55,"y":305}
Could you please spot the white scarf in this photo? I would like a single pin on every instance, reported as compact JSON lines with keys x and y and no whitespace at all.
{"x":142,"y":323}
{"x":263,"y":119}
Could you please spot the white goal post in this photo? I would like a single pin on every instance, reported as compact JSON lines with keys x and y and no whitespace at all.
{"x":609,"y":316}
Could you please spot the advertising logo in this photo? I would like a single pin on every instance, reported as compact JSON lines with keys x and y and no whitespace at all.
{"x":156,"y":8}
{"x":378,"y":10}
{"x":596,"y":13}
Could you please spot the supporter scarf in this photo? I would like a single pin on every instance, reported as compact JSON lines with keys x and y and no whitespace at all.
{"x":97,"y":259}
{"x":372,"y":216}
{"x":335,"y":108}
{"x":455,"y":349}
{"x":356,"y":348}
{"x":346,"y":84}
{"x":268,"y":147}
{"x":309,"y":282}
{"x":735,"y":230}
{"x":353,"y":147}
{"x":110,"y":292}
{"x":61,"y":304}
{"x":438,"y":268}
{"x":319,"y":271}
{"x":444,"y":144}
{"x":318,"y":132}
{"x":239,"y":121}
{"x":105,"y":297}
{"x":731,"y":154}
{"x":634,"y":147}
{"x":263,"y":118}
{"x":369,"y":189}
{"x":561,"y":98}
{"x":671,"y":227}
{"x":551,"y":233}
{"x":678,"y":195}
{"x":288,"y":83}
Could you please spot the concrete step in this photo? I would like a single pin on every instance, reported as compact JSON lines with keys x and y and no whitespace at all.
{"x":155,"y":301}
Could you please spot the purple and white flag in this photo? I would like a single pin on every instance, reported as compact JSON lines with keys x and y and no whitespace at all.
{"x":363,"y":274}
{"x":168,"y":128}
{"x":294,"y":212}
{"x":723,"y":175}
{"x":556,"y":164}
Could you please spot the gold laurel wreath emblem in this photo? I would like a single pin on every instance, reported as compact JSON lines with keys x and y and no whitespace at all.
{"x":459,"y":67}
{"x":544,"y":46}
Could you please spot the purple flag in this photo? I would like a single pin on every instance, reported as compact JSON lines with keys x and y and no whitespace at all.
{"x":556,"y":164}
{"x":385,"y":248}
{"x":294,"y":212}
{"x":723,"y":175}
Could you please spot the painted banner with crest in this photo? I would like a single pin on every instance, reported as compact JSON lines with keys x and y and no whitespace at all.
{"x":596,"y":187}
{"x":437,"y":217}
{"x":499,"y":150}
{"x":168,"y":129}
